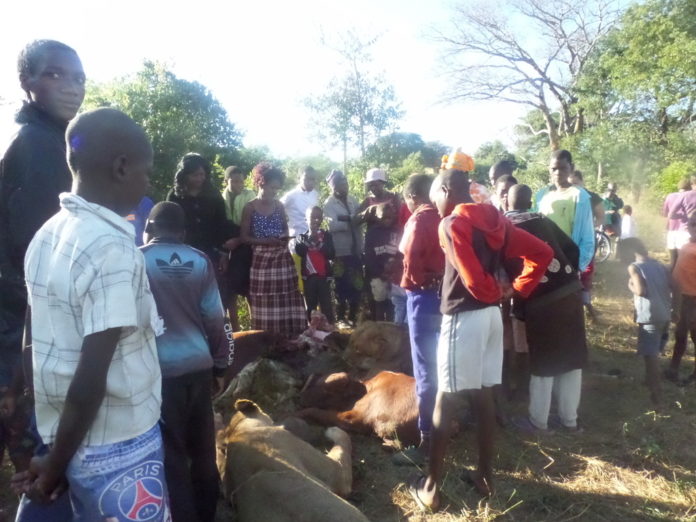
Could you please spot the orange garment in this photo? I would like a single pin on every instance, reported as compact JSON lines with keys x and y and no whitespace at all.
{"x":685,"y":269}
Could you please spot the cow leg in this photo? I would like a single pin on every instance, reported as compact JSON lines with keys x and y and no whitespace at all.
{"x":341,"y":453}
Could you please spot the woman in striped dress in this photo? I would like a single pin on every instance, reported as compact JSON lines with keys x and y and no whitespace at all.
{"x":276,"y":303}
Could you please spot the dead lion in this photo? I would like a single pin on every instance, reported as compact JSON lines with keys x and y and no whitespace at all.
{"x":273,"y":475}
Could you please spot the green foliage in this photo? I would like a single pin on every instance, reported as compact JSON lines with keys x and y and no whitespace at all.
{"x":672,"y":174}
{"x":652,"y":57}
{"x":391,"y":151}
{"x":178,"y":116}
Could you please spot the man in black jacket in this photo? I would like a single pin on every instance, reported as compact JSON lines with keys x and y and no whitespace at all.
{"x":33,"y":171}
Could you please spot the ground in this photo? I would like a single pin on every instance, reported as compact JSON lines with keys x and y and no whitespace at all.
{"x":628,"y":464}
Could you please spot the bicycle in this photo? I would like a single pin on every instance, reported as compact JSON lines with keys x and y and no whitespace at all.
{"x":603,"y":246}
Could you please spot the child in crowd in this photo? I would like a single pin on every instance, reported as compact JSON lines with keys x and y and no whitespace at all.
{"x":194,"y":349}
{"x":558,"y":354}
{"x":96,"y":375}
{"x":651,"y":284}
{"x":476,"y":238}
{"x":628,"y":223}
{"x":316,"y":250}
{"x":393,"y":271}
{"x":424,"y":265}
{"x":684,"y":274}
{"x":381,"y":244}
{"x":33,"y":172}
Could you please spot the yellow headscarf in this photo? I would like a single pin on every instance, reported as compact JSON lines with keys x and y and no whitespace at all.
{"x":457,"y":160}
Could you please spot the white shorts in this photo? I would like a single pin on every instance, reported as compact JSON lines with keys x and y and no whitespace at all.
{"x":677,"y":239}
{"x":470,"y":350}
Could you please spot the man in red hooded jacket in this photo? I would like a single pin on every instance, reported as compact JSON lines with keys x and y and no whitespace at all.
{"x":476,"y":239}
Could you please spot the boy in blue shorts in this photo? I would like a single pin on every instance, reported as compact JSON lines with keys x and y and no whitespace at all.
{"x":652,"y":288}
{"x":93,"y":325}
{"x":194,"y":352}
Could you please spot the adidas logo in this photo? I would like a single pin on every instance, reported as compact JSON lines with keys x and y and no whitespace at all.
{"x":175,"y":268}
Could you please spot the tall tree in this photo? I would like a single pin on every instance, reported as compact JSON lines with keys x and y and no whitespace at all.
{"x":358,"y":106}
{"x":391,"y":150}
{"x":178,"y":116}
{"x":529,"y":52}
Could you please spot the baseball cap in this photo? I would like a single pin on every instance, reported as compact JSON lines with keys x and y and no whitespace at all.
{"x":375,"y":175}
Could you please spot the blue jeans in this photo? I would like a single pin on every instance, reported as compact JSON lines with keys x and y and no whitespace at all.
{"x":120,"y":482}
{"x":399,"y":302}
{"x":424,"y":318}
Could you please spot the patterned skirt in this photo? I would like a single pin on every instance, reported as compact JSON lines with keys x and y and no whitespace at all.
{"x":276,"y":303}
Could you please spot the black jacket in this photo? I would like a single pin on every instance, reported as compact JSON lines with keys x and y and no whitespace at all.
{"x":33,"y":171}
{"x":207,"y":227}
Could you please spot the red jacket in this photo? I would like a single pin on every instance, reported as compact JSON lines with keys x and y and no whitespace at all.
{"x":424,"y":261}
{"x":476,"y":239}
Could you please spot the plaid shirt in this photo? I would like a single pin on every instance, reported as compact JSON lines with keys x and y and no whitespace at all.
{"x":85,"y":275}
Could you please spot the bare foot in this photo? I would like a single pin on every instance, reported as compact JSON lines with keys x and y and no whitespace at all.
{"x":482,"y":484}
{"x":426,"y":500}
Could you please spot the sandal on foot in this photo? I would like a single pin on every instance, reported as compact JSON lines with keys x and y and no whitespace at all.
{"x":415,"y":486}
{"x":472,"y":477}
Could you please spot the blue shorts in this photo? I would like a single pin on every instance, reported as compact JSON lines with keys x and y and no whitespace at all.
{"x":120,"y":482}
{"x":652,"y":338}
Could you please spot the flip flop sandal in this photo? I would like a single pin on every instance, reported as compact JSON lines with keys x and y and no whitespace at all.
{"x":414,"y":486}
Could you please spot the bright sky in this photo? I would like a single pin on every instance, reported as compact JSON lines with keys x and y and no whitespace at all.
{"x":259,"y":58}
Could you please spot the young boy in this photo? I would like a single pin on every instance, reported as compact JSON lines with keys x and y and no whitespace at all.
{"x":424,"y":265}
{"x":381,"y":244}
{"x":628,"y":223}
{"x":475,"y":238}
{"x":194,"y":349}
{"x":316,"y":250}
{"x":93,"y":325}
{"x":33,"y":171}
{"x":684,"y":274}
{"x":650,"y":282}
{"x":556,"y":355}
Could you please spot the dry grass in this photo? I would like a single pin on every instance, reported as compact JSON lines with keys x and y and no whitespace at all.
{"x":629,"y":464}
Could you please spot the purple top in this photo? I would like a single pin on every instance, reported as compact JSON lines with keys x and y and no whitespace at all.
{"x":668,"y":207}
{"x":685,"y":206}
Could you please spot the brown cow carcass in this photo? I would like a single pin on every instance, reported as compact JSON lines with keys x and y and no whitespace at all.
{"x":385,"y":405}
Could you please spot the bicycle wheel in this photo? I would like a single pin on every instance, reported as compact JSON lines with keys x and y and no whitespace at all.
{"x":602,"y":248}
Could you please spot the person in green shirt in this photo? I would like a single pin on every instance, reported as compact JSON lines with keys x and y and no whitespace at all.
{"x":236,"y":196}
{"x":568,"y":206}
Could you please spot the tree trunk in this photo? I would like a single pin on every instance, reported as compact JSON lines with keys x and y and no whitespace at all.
{"x":579,"y":121}
{"x":552,"y":127}
{"x":599,"y":176}
{"x":345,"y":155}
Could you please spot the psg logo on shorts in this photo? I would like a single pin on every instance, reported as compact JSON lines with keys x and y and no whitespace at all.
{"x":137,"y":494}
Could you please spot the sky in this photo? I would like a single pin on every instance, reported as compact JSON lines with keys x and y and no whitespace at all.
{"x":260,"y":59}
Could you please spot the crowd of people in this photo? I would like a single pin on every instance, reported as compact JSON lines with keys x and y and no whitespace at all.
{"x":118,"y":313}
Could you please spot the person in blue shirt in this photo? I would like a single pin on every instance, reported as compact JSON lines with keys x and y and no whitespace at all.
{"x":194,"y":352}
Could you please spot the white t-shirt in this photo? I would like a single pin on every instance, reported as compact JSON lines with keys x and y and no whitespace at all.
{"x":628,"y":227}
{"x":296,"y":203}
{"x":85,"y":275}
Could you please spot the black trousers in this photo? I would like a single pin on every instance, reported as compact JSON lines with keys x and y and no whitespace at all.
{"x":188,"y":433}
{"x":317,"y":292}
